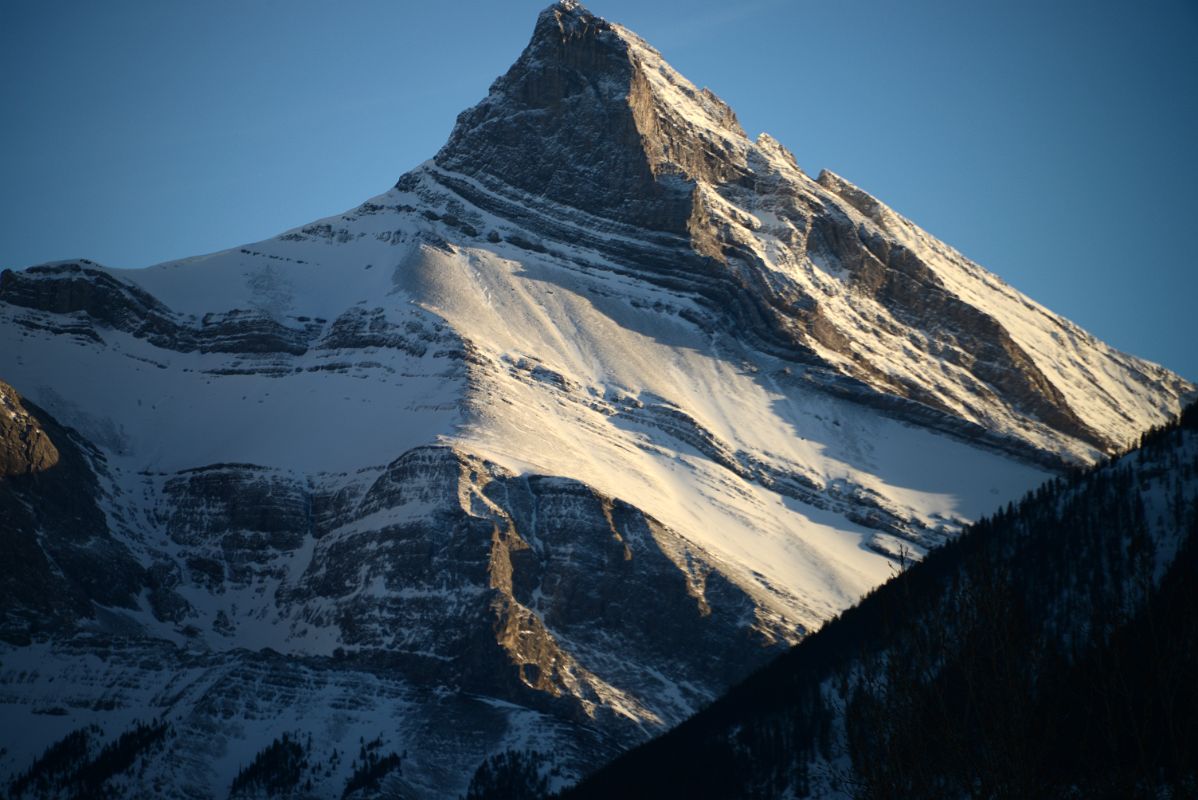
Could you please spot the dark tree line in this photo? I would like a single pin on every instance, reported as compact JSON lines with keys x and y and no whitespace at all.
{"x":510,"y":775}
{"x":284,"y":768}
{"x":77,"y":767}
{"x":276,"y":770}
{"x":370,"y":769}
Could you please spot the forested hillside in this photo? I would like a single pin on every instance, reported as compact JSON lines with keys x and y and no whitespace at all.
{"x":1048,"y":652}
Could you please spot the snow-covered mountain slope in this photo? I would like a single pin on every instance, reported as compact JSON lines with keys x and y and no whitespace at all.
{"x":584,"y":419}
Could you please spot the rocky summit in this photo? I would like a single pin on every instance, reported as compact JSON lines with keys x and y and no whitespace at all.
{"x":540,"y":450}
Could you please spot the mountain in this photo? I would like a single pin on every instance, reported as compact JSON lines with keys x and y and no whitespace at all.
{"x":542,"y":449}
{"x":1047,"y":652}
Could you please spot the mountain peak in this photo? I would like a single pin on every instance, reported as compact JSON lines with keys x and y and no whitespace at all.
{"x":592,"y":119}
{"x":592,"y":116}
{"x":565,"y":13}
{"x":563,"y":20}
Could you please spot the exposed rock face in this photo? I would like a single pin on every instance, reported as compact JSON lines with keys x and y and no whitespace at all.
{"x":404,"y":566}
{"x":85,"y":288}
{"x":576,"y":123}
{"x":76,"y":288}
{"x":444,"y":572}
{"x":24,"y":445}
{"x":542,"y":449}
{"x":898,"y":280}
{"x":60,"y":555}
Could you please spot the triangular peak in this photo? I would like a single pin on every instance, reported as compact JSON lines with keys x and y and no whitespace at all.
{"x":592,"y":117}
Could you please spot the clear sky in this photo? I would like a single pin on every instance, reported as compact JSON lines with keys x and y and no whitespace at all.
{"x":1055,"y":142}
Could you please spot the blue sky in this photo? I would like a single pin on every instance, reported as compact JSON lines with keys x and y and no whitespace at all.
{"x":1052,"y":142}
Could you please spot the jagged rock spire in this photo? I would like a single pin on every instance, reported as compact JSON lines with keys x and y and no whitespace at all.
{"x":592,"y":117}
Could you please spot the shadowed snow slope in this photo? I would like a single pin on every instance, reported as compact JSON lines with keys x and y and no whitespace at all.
{"x":543,"y":448}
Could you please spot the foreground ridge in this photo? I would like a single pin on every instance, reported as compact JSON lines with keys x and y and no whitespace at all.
{"x":1033,"y":653}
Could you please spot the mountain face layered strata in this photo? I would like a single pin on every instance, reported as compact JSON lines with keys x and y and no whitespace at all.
{"x":542,"y":449}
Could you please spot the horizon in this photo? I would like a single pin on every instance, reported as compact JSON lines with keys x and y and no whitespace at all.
{"x":155,"y":135}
